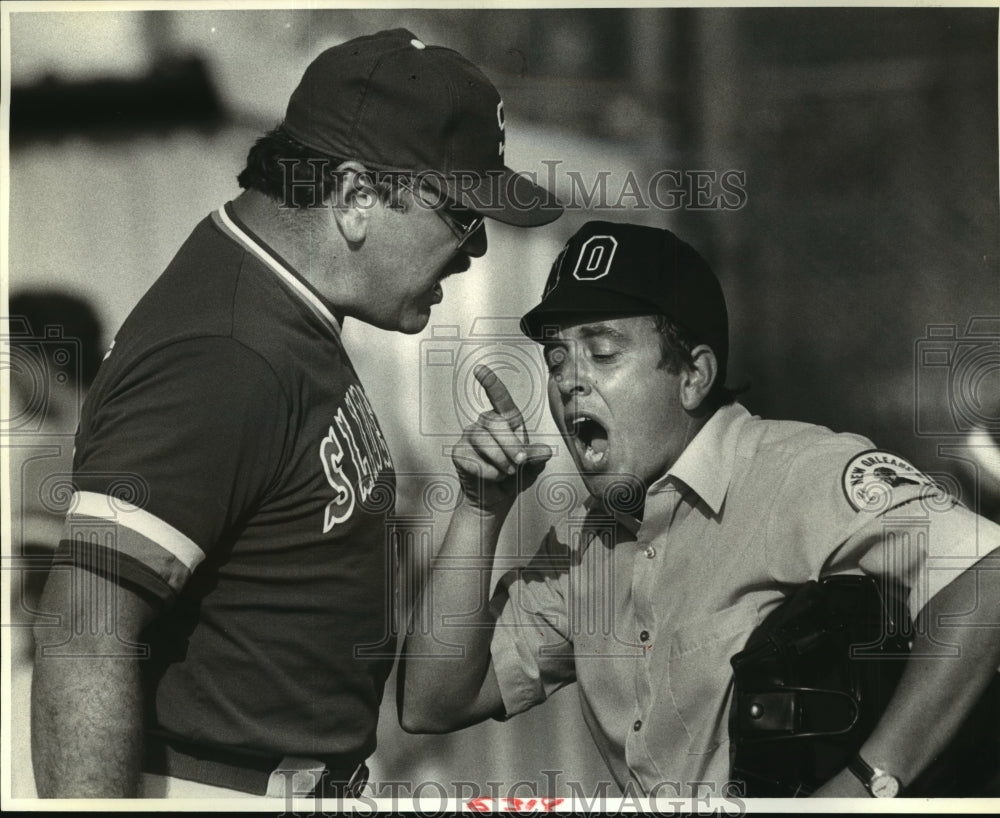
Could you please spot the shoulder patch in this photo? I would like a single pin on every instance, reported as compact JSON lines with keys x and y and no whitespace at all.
{"x":870,"y":477}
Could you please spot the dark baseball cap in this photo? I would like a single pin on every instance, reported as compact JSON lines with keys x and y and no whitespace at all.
{"x":621,"y":270}
{"x":396,"y":104}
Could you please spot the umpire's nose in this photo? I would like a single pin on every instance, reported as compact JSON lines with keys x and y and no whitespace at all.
{"x":570,"y":380}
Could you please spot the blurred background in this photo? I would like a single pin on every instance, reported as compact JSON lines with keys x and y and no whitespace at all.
{"x":838,"y":167}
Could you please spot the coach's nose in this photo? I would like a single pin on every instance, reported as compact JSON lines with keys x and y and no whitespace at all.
{"x":476,"y":244}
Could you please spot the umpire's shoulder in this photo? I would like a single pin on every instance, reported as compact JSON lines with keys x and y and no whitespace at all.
{"x":788,"y":442}
{"x":792,"y":466}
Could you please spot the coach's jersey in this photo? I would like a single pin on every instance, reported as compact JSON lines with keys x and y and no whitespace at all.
{"x":229,"y":465}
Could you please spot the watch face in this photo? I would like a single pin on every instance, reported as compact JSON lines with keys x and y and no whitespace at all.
{"x":884,"y":785}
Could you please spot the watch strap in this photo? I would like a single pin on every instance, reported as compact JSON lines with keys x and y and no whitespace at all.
{"x":862,"y":770}
{"x":867,"y":774}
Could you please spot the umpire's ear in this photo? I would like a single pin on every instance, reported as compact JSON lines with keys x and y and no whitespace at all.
{"x":696,"y":380}
{"x":353,"y":200}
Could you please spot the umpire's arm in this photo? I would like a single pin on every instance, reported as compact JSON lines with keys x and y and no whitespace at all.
{"x":446,"y":675}
{"x":936,"y":690}
{"x":86,"y":695}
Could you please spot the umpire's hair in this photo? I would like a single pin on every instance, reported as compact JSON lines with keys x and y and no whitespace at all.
{"x":676,"y":344}
{"x":285,"y":170}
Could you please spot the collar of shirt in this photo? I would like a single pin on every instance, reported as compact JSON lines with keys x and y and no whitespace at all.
{"x":706,"y":464}
{"x":225,"y":217}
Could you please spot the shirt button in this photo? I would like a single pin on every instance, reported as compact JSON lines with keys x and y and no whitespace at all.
{"x":650,"y":552}
{"x":644,"y":636}
{"x":638,"y":725}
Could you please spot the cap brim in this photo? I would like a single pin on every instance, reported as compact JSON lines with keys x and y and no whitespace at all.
{"x":562,"y":307}
{"x":506,"y":196}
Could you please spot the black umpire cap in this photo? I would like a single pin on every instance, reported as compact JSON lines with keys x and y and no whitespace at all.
{"x":621,"y":270}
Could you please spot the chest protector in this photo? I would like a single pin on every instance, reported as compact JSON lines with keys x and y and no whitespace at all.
{"x":813,"y":680}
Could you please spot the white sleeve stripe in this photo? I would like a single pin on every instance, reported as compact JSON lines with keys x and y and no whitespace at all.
{"x":113,"y":509}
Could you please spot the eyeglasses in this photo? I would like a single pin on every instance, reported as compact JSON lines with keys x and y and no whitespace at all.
{"x":462,"y":221}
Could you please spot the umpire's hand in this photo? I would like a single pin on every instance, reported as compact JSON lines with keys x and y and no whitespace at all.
{"x":494,"y":459}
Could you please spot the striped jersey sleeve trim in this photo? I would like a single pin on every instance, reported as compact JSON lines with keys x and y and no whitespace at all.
{"x":150,"y":529}
{"x":109,"y":556}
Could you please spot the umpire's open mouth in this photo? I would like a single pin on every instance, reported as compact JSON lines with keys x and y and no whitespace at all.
{"x":590,"y":438}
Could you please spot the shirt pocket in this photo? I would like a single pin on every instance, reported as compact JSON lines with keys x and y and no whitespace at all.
{"x":699,"y":676}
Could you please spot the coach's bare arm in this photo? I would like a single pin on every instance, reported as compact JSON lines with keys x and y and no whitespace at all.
{"x":86,"y":696}
{"x":954,"y":656}
{"x":494,"y":461}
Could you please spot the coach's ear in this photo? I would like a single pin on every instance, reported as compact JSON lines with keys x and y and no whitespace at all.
{"x":696,"y":380}
{"x":353,"y":200}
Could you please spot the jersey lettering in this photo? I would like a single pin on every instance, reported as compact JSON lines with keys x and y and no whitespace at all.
{"x":365,"y":478}
{"x":364,"y":432}
{"x":331,"y":453}
{"x":379,"y":448}
{"x":357,"y":427}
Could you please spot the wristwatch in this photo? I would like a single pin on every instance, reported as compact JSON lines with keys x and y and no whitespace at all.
{"x":879,"y":783}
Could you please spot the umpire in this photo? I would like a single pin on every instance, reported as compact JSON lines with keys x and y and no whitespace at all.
{"x":700,"y":520}
{"x":219,"y":602}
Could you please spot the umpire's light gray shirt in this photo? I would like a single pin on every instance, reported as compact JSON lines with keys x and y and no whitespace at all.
{"x":645,"y":616}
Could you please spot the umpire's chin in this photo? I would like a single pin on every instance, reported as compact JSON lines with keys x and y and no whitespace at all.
{"x":618,"y":492}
